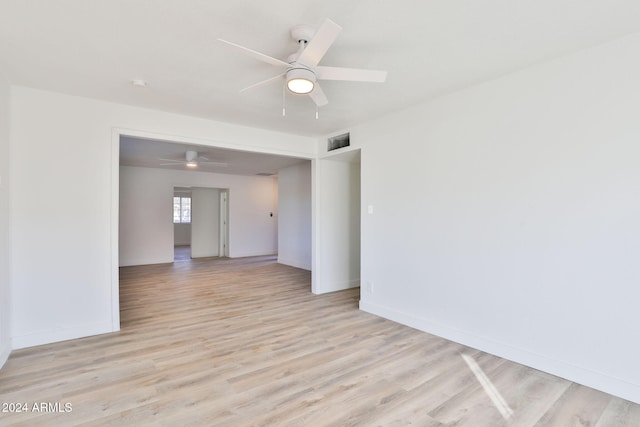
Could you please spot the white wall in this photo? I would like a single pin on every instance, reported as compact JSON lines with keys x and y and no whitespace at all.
{"x":205,"y":220}
{"x":507,"y":216}
{"x":146,"y":224}
{"x":146,"y":228}
{"x":294,"y":216}
{"x":5,"y":223}
{"x":64,"y":261}
{"x":182,"y":234}
{"x":337,"y":239}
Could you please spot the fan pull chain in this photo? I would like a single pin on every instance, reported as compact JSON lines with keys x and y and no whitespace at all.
{"x":316,"y":112}
{"x":284,"y":111}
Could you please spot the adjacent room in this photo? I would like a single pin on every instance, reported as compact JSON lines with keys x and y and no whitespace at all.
{"x":319,"y":213}
{"x":225,"y":203}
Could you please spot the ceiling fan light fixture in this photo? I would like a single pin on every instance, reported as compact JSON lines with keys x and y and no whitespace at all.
{"x":301,"y":80}
{"x":192,"y":164}
{"x":300,"y":86}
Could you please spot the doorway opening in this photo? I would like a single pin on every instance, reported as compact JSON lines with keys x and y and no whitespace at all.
{"x":147,"y":168}
{"x":181,"y":223}
{"x":200,"y":222}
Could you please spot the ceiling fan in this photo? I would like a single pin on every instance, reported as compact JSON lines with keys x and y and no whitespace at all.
{"x":192,"y":160}
{"x":301,"y":70}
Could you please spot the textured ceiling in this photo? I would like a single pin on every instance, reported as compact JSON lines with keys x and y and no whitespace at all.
{"x":95,"y":49}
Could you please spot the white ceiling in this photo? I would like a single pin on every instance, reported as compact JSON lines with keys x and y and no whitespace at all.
{"x":95,"y":49}
{"x":429,"y":47}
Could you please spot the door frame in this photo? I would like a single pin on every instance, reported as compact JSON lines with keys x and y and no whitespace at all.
{"x":224,"y":223}
{"x":116,"y":134}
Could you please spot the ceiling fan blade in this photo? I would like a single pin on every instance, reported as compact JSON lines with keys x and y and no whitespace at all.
{"x":171,"y":164}
{"x":264,"y":82}
{"x":173,"y":160}
{"x":220,"y":164}
{"x":260,"y":56}
{"x":321,"y":42}
{"x":318,"y":96}
{"x":350,"y":74}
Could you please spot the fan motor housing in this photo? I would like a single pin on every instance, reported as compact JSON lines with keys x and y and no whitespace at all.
{"x":300,"y":74}
{"x":191,"y":155}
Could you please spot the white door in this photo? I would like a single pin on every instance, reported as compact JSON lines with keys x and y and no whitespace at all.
{"x":205,"y":222}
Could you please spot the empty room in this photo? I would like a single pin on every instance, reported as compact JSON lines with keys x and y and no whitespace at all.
{"x":336,"y":213}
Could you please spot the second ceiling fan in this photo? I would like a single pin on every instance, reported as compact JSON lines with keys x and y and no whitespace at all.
{"x":301,"y":70}
{"x":191,"y":160}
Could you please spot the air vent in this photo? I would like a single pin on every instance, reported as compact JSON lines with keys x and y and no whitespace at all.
{"x":339,"y":141}
{"x":265,"y":174}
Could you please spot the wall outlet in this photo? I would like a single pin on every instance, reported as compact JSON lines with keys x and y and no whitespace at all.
{"x":370,"y":287}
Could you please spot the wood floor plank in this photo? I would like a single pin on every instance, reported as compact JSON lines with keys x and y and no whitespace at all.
{"x":577,"y":406}
{"x":620,"y":413}
{"x":243,"y":342}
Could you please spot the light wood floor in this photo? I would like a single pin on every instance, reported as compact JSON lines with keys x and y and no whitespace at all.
{"x":243,"y":342}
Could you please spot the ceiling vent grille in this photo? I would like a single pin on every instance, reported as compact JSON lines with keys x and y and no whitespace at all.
{"x":339,"y":141}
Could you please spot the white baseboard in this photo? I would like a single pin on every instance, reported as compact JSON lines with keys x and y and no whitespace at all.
{"x":250,"y":254}
{"x":325,"y":288}
{"x":64,"y":334}
{"x":355,"y":283}
{"x":204,"y":254}
{"x":5,"y":352}
{"x":298,"y":263}
{"x":132,"y":263}
{"x":599,"y":381}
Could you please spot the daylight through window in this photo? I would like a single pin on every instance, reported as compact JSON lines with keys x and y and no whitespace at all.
{"x":181,"y":210}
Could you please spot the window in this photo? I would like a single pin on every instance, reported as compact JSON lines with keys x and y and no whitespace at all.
{"x":181,"y":210}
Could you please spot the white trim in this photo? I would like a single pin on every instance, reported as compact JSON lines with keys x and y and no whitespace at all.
{"x":148,"y":261}
{"x":298,"y":263}
{"x":223,"y":244}
{"x":213,"y":143}
{"x":250,"y":254}
{"x":339,"y":286}
{"x":580,"y":375}
{"x":315,"y":224}
{"x":330,"y":155}
{"x":115,"y":215}
{"x":116,"y":133}
{"x":5,"y":352}
{"x":61,"y":334}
